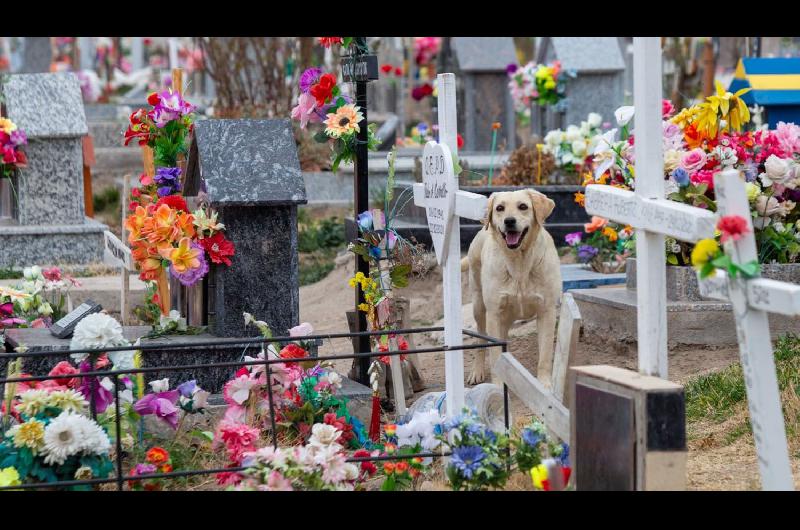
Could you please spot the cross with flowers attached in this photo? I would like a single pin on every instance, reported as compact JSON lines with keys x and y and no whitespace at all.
{"x":648,"y":212}
{"x":752,"y":299}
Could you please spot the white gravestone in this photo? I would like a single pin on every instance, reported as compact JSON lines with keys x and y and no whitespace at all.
{"x":438,"y":171}
{"x":648,"y":212}
{"x":752,"y":300}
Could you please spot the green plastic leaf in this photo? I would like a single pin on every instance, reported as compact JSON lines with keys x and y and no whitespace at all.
{"x":672,"y":259}
{"x":750,"y":269}
{"x":457,"y":169}
{"x":321,"y":137}
{"x":706,"y":270}
{"x":399,"y":275}
{"x":346,"y":41}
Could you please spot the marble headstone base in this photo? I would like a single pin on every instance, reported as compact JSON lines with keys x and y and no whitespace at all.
{"x":70,"y":244}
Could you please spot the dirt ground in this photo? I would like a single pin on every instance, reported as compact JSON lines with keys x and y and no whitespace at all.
{"x":713,"y":463}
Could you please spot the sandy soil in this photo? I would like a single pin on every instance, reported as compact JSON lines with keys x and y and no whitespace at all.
{"x":716,"y":465}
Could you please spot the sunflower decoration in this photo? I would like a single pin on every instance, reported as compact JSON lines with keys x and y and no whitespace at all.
{"x":344,"y":121}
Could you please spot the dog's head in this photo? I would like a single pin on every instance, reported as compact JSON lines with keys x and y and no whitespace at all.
{"x":516,"y":216}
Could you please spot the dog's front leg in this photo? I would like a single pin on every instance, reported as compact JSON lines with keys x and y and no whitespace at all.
{"x":546,"y":329}
{"x":478,"y":374}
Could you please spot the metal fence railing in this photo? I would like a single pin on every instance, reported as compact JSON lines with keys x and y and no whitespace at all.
{"x":177,"y":349}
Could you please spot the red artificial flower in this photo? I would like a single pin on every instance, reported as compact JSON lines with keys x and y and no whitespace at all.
{"x":366,"y":465}
{"x":133,"y":205}
{"x":157,"y":456}
{"x":22,"y":159}
{"x":323,"y":90}
{"x":398,"y":71}
{"x":242,"y":371}
{"x":154,"y":99}
{"x":292,"y":351}
{"x":328,"y":41}
{"x":176,"y":202}
{"x":732,"y":227}
{"x":166,"y":468}
{"x":388,"y":468}
{"x":386,"y":68}
{"x":401,"y":467}
{"x":64,"y":368}
{"x":459,"y":141}
{"x":136,"y":192}
{"x":218,"y":248}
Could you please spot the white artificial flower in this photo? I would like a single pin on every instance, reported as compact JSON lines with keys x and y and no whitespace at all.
{"x":160,"y":385}
{"x":623,"y":115}
{"x":333,"y":379}
{"x":33,"y":273}
{"x":350,"y":471}
{"x":776,"y":168}
{"x":239,"y":389}
{"x":200,"y":399}
{"x":31,"y":402}
{"x":68,"y":400}
{"x":302,"y":330}
{"x":672,"y":159}
{"x":62,"y":438}
{"x":95,"y":332}
{"x":573,"y":133}
{"x":725,"y":155}
{"x":594,"y":120}
{"x":579,"y":148}
{"x":126,"y":396}
{"x":778,"y":226}
{"x":323,"y":435}
{"x":45,"y":309}
{"x":173,"y":316}
{"x":553,"y":138}
{"x":671,"y":186}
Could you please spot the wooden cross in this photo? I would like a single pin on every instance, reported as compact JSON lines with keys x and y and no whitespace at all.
{"x":752,"y":300}
{"x":648,"y":212}
{"x":445,"y":203}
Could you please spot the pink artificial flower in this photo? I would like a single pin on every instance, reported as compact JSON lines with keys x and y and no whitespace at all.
{"x":38,"y":324}
{"x":667,"y":108}
{"x":238,"y":438}
{"x":228,"y":478}
{"x":53,"y":274}
{"x":302,"y":330}
{"x":704,"y":176}
{"x":693,"y":160}
{"x":277,"y":482}
{"x":788,"y":137}
{"x":161,"y":405}
{"x":66,"y":369}
{"x":304,"y":111}
{"x":145,"y":179}
{"x":732,"y":227}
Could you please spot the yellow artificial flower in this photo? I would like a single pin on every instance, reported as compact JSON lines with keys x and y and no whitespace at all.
{"x":704,"y":251}
{"x":352,"y":282}
{"x":29,"y":434}
{"x":538,"y":474}
{"x":722,"y":106}
{"x":9,"y":477}
{"x":580,"y":198}
{"x":588,"y":178}
{"x":550,"y":84}
{"x":344,"y":121}
{"x":7,"y":126}
{"x":185,"y":257}
{"x":364,"y":307}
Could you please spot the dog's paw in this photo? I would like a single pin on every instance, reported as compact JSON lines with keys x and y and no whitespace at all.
{"x":477,"y":376}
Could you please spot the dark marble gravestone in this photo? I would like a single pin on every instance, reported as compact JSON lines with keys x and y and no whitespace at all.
{"x":251,"y":173}
{"x":50,"y":225}
{"x":628,"y":430}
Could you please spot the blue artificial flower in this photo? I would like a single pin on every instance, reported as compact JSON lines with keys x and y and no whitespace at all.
{"x":375,"y":252}
{"x":531,"y":437}
{"x":473,"y":429}
{"x":467,"y":459}
{"x":680,"y":176}
{"x":365,"y":220}
{"x":750,"y":172}
{"x":490,"y":435}
{"x":586,"y":253}
{"x":422,"y":128}
{"x":187,"y":389}
{"x":564,"y":456}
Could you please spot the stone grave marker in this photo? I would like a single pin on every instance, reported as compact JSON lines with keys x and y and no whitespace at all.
{"x":37,"y":55}
{"x":599,"y":85}
{"x":752,"y":301}
{"x":251,"y":175}
{"x":50,"y":225}
{"x":481,"y":64}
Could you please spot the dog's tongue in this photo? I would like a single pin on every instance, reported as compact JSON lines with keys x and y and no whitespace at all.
{"x":512,"y":238}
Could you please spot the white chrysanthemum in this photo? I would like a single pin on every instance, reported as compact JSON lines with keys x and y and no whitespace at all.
{"x":62,"y":438}
{"x":95,"y":332}
{"x":95,"y":439}
{"x":68,"y":400}
{"x":31,"y":402}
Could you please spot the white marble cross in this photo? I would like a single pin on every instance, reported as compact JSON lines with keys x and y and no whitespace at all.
{"x":752,"y":300}
{"x":648,"y":212}
{"x":445,"y":203}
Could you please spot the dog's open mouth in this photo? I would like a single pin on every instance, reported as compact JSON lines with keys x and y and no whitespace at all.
{"x":514,"y":238}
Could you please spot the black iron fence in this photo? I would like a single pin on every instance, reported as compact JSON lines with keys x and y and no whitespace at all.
{"x":186,"y":348}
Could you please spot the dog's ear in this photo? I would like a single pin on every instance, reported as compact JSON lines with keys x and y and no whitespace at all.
{"x":542,"y":205}
{"x":489,"y":211}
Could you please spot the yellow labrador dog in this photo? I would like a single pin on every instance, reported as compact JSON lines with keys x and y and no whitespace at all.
{"x":514,"y":274}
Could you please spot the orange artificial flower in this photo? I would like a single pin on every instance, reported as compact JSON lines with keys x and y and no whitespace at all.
{"x":580,"y":198}
{"x":388,"y":468}
{"x":185,"y":257}
{"x":134,"y":223}
{"x":185,"y":224}
{"x":596,"y":224}
{"x":588,"y":178}
{"x":401,"y":467}
{"x":610,"y":233}
{"x":602,"y":179}
{"x":692,"y":137}
{"x":157,"y":456}
{"x":496,"y":125}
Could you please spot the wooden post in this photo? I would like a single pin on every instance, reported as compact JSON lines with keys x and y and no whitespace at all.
{"x":651,"y":265}
{"x":569,"y":328}
{"x":125,"y":297}
{"x":88,"y":162}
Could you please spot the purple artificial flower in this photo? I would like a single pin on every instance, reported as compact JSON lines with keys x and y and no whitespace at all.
{"x":309,"y":77}
{"x":168,"y":180}
{"x":586,"y":253}
{"x":18,"y":137}
{"x":187,"y":389}
{"x":161,"y":405}
{"x":144,"y":469}
{"x":94,"y":391}
{"x":511,"y":68}
{"x":792,"y":194}
{"x":573,"y":239}
{"x":173,"y":102}
{"x":192,"y":276}
{"x":161,"y":116}
{"x":750,"y":172}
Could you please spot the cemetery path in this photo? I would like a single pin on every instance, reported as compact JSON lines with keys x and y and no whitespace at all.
{"x":730,"y":466}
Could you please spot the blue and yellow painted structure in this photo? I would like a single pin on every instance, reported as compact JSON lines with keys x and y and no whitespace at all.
{"x":775,"y":84}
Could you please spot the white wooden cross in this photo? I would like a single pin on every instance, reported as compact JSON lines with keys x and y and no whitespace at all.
{"x":445,"y":203}
{"x":648,"y":212}
{"x":752,"y":300}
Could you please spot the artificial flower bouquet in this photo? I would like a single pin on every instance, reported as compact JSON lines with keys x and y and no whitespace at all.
{"x":572,"y":149}
{"x":542,"y":84}
{"x":12,"y":156}
{"x":535,"y":453}
{"x":40,"y":299}
{"x":321,"y":101}
{"x":164,"y":128}
{"x":604,"y":245}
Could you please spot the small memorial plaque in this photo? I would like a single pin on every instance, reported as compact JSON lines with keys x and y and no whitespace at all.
{"x":64,"y":327}
{"x":361,"y":68}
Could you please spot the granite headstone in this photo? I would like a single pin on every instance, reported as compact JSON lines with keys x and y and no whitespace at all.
{"x":50,"y":225}
{"x":250,"y":171}
{"x":37,"y":55}
{"x":600,"y":75}
{"x":481,"y":65}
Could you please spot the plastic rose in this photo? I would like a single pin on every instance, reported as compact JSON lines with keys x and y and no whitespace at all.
{"x":777,"y":169}
{"x":323,"y":435}
{"x":693,"y":160}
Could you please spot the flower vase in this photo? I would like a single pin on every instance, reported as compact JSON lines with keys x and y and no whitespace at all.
{"x":163,"y":291}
